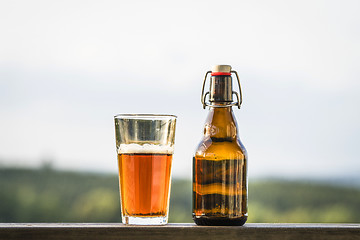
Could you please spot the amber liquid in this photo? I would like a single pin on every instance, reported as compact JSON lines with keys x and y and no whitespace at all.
{"x":144,"y":183}
{"x":219,"y":192}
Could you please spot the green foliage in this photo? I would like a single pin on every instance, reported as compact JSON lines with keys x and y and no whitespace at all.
{"x":288,"y":201}
{"x":46,"y":195}
{"x":180,"y":201}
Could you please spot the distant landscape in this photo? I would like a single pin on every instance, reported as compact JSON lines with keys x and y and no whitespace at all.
{"x":48,"y":195}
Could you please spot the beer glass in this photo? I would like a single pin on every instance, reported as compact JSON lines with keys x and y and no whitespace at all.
{"x":145,"y":145}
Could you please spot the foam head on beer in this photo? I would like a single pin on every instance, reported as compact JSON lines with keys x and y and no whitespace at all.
{"x":145,"y":148}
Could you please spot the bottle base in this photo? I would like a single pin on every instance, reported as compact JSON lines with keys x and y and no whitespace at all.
{"x":218,"y":221}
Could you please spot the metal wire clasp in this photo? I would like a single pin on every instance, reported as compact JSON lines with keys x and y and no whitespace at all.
{"x":239,"y":97}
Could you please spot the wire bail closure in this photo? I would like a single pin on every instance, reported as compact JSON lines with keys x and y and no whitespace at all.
{"x":239,"y":97}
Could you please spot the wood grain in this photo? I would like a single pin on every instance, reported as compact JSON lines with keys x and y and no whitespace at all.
{"x":250,"y":231}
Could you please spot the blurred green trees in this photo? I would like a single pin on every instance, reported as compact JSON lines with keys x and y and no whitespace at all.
{"x":46,"y":195}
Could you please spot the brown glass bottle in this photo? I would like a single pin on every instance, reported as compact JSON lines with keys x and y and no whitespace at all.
{"x":220,"y":168}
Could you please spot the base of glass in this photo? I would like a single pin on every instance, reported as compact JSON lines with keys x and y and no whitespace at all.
{"x":144,"y":220}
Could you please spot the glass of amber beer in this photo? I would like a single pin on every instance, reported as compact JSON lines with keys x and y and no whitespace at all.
{"x":145,"y":145}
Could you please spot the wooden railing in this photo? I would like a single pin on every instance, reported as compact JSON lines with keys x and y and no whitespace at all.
{"x":249,"y":231}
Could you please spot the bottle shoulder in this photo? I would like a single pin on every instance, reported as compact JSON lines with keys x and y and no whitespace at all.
{"x":220,"y":149}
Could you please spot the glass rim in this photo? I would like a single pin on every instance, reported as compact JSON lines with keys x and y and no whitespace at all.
{"x":143,"y":116}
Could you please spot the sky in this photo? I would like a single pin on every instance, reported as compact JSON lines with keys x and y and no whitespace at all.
{"x":67,"y":67}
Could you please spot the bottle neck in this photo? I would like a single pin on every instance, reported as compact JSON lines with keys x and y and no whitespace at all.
{"x":221,"y":124}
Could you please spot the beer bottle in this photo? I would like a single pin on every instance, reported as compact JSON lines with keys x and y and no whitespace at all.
{"x":220,"y":160}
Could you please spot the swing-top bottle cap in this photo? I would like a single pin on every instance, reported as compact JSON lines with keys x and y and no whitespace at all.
{"x":220,"y":92}
{"x":221,"y":70}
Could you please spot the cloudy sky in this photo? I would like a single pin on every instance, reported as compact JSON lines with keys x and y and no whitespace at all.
{"x":67,"y":67}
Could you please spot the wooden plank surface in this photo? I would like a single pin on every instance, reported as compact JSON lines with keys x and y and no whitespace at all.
{"x":249,"y":231}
